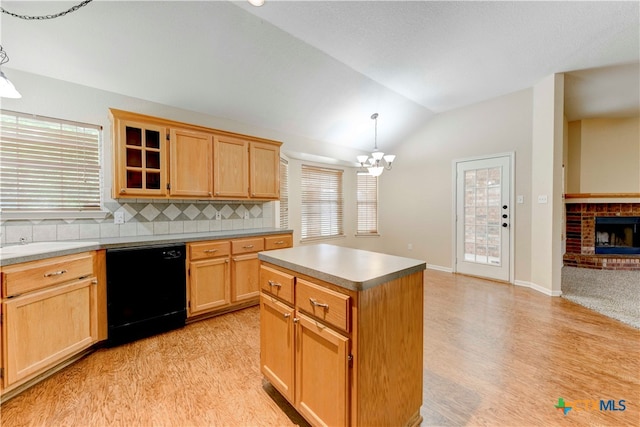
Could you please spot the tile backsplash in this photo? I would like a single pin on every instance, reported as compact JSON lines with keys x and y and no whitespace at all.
{"x":143,"y":218}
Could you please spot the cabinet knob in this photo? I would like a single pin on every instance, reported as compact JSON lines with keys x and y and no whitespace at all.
{"x":296,"y":320}
{"x":94,"y":282}
{"x":122,"y":191}
{"x":287,"y":315}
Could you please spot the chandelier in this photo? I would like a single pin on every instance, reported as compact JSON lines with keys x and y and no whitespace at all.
{"x":7,"y":89}
{"x":378,"y":162}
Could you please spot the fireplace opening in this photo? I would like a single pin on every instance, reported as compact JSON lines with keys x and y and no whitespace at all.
{"x":617,"y":235}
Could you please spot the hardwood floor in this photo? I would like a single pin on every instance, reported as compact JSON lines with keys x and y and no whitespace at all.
{"x":494,"y":354}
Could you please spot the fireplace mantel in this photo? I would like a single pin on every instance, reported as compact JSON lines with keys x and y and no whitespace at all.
{"x":602,"y":198}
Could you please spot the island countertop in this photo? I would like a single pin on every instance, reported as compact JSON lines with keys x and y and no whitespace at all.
{"x":349,"y":268}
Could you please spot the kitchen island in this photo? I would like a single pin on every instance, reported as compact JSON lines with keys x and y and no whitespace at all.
{"x":341,"y":334}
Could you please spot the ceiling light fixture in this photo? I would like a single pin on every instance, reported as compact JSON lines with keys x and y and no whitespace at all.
{"x":378,"y":162}
{"x":256,"y":3}
{"x":7,"y":89}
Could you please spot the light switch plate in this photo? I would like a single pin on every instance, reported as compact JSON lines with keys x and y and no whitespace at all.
{"x":520,"y":199}
{"x":118,"y":217}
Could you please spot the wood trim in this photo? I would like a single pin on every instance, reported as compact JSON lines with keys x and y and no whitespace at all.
{"x":601,"y":195}
{"x":127,"y":115}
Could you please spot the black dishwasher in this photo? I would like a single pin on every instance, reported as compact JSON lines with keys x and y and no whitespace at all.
{"x":146,"y":291}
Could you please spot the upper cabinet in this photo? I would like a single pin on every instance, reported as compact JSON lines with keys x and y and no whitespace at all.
{"x":139,"y":159}
{"x":160,"y":158}
{"x":190,"y":164}
{"x":231,"y":167}
{"x":264,"y":160}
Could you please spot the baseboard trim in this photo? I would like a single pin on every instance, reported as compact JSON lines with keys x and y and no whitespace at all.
{"x":537,"y":288}
{"x":440,"y":268}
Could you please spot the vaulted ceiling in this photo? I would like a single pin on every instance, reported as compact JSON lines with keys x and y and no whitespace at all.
{"x":319,"y":69}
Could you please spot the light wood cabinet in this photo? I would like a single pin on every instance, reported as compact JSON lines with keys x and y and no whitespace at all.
{"x":277,"y":349}
{"x":264,"y":161}
{"x":160,"y":158}
{"x":140,"y":159}
{"x":231,"y":167}
{"x":190,"y":164}
{"x":357,"y":354}
{"x":224,"y":275}
{"x":208,"y":277}
{"x":51,"y":311}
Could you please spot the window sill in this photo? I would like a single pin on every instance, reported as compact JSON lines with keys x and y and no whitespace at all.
{"x":40,"y":215}
{"x":367,"y":235}
{"x":317,"y":239}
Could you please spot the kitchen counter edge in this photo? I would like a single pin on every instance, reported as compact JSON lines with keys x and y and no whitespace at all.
{"x":136,"y":241}
{"x":315,"y":272}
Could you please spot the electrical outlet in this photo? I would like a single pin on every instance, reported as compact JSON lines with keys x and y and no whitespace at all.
{"x":218,"y":216}
{"x":118,"y":217}
{"x":246,"y":214}
{"x":520,"y":199}
{"x":542,"y":198}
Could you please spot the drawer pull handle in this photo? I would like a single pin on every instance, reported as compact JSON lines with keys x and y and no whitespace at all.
{"x":248,"y":246}
{"x":55,"y":273}
{"x":279,"y":242}
{"x":318,"y":304}
{"x":210,"y":250}
{"x":276,"y":284}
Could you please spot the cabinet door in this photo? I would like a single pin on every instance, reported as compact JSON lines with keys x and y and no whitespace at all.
{"x":246,"y":277}
{"x":231,"y":167}
{"x":190,"y":164}
{"x":208,"y":285}
{"x":264,"y":160}
{"x":45,"y":327}
{"x":140,"y":162}
{"x":276,"y":345}
{"x":322,"y":369}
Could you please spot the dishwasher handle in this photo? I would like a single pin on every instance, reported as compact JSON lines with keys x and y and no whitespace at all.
{"x":172,"y":254}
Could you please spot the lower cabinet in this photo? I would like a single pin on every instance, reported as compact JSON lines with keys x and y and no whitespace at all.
{"x":51,"y":311}
{"x":225,"y":274}
{"x":304,"y":358}
{"x":343,"y":357}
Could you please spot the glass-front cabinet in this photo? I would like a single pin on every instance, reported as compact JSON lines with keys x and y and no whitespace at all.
{"x":140,"y":158}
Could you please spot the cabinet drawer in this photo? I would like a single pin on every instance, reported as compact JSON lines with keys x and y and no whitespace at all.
{"x":324,"y":304}
{"x":244,"y":246}
{"x":278,"y":242}
{"x":208,"y":250}
{"x":277,"y":283}
{"x":27,"y":277}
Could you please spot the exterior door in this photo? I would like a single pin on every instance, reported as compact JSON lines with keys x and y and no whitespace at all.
{"x":483,"y":217}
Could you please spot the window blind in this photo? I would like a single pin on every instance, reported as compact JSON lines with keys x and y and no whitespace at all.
{"x":322,"y":202}
{"x":367,"y":201}
{"x":48,"y":164}
{"x":284,"y":193}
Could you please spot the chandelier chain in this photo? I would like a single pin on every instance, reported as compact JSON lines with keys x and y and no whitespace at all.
{"x":43,"y":17}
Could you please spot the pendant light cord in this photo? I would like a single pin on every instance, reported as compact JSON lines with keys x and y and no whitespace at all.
{"x":43,"y":17}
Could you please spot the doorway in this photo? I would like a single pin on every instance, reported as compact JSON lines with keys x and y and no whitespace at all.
{"x":483,"y":217}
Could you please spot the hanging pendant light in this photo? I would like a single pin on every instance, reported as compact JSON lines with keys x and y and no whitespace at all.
{"x":7,"y":89}
{"x":378,"y":162}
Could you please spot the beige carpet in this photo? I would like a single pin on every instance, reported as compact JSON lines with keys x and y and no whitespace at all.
{"x":614,"y":293}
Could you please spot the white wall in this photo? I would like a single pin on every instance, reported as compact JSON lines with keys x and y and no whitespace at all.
{"x":416,"y":196}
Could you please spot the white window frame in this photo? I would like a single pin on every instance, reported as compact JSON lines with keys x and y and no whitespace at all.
{"x":366,"y":205}
{"x":16,"y":133}
{"x":284,"y":194}
{"x":321,"y":192}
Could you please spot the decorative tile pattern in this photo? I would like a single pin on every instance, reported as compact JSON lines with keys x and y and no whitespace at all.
{"x":143,"y":217}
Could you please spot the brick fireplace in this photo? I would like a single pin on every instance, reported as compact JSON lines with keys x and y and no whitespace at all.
{"x":581,"y":235}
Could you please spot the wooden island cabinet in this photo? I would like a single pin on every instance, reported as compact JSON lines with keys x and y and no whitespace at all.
{"x":341,"y":334}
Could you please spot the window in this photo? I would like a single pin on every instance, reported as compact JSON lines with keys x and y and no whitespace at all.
{"x":321,"y":202}
{"x":367,"y":200}
{"x":284,"y":193}
{"x":48,"y":164}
